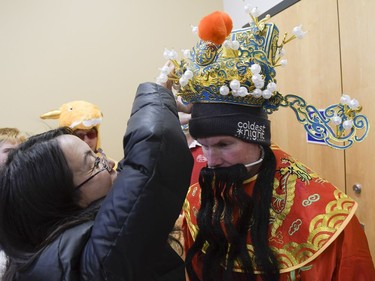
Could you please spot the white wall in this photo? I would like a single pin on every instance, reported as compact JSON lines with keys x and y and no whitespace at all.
{"x":235,"y":8}
{"x":54,"y":51}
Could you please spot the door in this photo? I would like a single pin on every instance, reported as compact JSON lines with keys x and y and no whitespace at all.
{"x":357,"y":32}
{"x":335,"y":57}
{"x":313,"y":72}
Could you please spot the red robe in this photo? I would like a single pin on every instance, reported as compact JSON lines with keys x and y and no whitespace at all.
{"x":200,"y":161}
{"x":313,"y":229}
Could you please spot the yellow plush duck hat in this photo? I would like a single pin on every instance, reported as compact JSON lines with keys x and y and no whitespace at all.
{"x":77,"y":115}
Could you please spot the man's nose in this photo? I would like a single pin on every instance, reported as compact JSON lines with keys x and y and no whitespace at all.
{"x":213,"y":158}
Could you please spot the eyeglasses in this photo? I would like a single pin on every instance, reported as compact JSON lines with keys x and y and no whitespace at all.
{"x":105,"y":165}
{"x":91,"y":134}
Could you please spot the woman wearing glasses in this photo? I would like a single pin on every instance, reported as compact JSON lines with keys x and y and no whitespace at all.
{"x":54,"y":224}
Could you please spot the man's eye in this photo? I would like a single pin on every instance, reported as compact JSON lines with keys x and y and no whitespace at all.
{"x":222,"y":145}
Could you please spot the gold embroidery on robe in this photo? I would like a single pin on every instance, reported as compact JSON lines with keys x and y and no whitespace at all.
{"x":307,"y":213}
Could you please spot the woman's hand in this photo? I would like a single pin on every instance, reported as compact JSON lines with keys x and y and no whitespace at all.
{"x":186,"y":108}
{"x":168,"y":84}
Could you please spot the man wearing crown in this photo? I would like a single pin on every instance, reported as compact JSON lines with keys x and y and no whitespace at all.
{"x":256,"y":212}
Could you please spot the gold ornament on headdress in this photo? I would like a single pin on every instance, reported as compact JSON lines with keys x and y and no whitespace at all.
{"x":238,"y":67}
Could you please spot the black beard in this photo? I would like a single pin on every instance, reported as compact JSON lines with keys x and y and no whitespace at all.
{"x":222,"y":195}
{"x":223,"y":220}
{"x":221,"y":240}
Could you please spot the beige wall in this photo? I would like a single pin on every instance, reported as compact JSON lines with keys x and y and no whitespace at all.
{"x":54,"y":51}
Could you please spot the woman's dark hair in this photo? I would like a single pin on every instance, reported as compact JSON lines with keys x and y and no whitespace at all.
{"x":38,"y":200}
{"x":255,"y":216}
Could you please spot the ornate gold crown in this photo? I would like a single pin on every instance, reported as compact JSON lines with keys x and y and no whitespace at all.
{"x":238,"y":67}
{"x":239,"y":71}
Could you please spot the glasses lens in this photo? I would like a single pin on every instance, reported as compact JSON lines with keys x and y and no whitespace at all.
{"x":91,"y":134}
{"x":106,"y":164}
{"x":81,"y":135}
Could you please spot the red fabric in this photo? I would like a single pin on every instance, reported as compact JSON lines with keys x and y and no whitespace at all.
{"x":200,"y":161}
{"x":347,"y":258}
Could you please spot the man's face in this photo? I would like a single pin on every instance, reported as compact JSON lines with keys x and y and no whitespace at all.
{"x":226,"y":209}
{"x":226,"y":151}
{"x":88,"y":136}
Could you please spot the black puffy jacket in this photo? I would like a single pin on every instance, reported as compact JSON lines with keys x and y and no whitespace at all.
{"x":127,"y":240}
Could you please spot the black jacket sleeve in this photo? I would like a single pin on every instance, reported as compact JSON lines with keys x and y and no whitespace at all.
{"x":132,"y":226}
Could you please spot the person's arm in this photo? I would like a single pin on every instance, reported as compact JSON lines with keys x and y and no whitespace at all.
{"x":133,"y":223}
